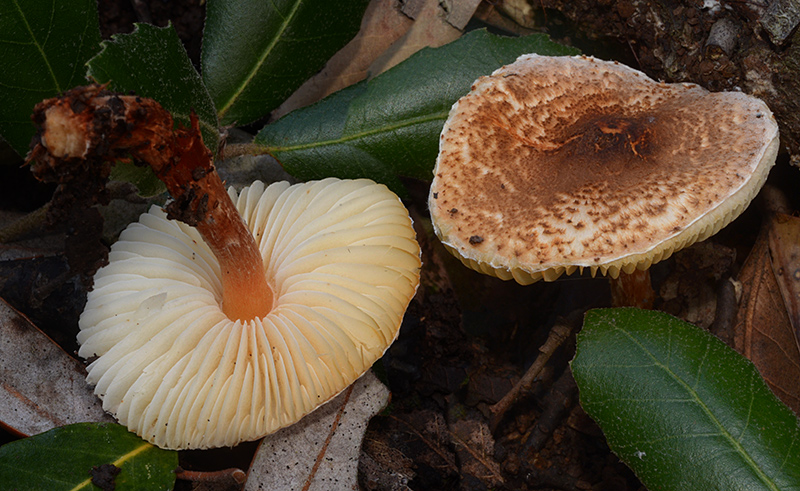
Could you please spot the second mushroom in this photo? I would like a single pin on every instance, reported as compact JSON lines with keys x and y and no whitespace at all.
{"x":557,"y":164}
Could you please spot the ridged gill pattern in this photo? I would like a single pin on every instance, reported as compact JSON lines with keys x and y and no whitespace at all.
{"x":343,"y":262}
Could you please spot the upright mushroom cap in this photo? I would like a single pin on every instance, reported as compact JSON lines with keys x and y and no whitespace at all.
{"x":553,"y":164}
{"x":343,"y":263}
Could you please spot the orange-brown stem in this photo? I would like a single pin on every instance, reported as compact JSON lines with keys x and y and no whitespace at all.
{"x":633,"y":290}
{"x":89,"y":127}
{"x":246,"y":294}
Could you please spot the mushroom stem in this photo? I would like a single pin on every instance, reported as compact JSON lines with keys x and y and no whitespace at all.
{"x":201,"y":200}
{"x":245,"y":292}
{"x":88,"y":128}
{"x":632,"y":290}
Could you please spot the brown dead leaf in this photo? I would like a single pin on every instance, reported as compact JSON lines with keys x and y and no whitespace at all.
{"x":427,"y":434}
{"x":382,"y":466}
{"x":784,"y":248}
{"x":41,"y":386}
{"x":322,"y":448}
{"x":459,"y":13}
{"x":474,"y":446}
{"x":520,"y":11}
{"x":763,"y":331}
{"x":382,"y":25}
{"x":430,"y":29}
{"x":519,"y":21}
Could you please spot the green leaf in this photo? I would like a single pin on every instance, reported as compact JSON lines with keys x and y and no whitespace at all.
{"x":63,"y":458}
{"x":43,"y":45}
{"x":256,"y":53}
{"x":681,"y":408}
{"x":151,"y":62}
{"x":390,"y":125}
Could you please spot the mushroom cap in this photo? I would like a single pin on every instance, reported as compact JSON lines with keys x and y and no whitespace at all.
{"x":343,"y":263}
{"x":553,"y":164}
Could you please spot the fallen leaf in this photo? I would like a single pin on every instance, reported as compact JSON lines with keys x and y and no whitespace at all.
{"x":474,"y":446}
{"x":426,"y":434}
{"x":492,"y":14}
{"x":382,"y":25}
{"x":382,"y":466}
{"x":763,"y":332}
{"x":520,"y":11}
{"x":459,"y":13}
{"x":323,"y":448}
{"x":784,"y":248}
{"x":41,"y":386}
{"x":430,"y":29}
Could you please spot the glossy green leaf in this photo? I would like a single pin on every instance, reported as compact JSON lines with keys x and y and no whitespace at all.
{"x":63,"y":458}
{"x":681,"y":408}
{"x":256,"y":53}
{"x":44,"y":45}
{"x":390,"y":125}
{"x":152,"y":62}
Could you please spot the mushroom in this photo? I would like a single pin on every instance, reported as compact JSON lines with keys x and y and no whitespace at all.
{"x":275,"y":299}
{"x":557,"y":164}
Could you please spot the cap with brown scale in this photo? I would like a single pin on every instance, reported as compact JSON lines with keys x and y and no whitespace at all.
{"x":553,"y":164}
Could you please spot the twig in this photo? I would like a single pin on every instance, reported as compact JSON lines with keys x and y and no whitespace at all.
{"x":558,"y":403}
{"x":232,"y":476}
{"x":558,"y":334}
{"x":331,"y":432}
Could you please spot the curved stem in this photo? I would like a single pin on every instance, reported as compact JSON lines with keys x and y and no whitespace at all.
{"x":91,"y":127}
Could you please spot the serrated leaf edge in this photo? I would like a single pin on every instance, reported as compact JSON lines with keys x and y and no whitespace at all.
{"x":91,"y":71}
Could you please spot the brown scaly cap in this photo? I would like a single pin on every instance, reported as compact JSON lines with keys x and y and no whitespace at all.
{"x":553,"y":164}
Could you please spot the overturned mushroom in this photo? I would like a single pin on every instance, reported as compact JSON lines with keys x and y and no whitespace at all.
{"x":224,"y":332}
{"x":557,"y":164}
{"x":343,"y":263}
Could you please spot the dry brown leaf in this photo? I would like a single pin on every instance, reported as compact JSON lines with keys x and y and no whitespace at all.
{"x":763,"y":331}
{"x":321,"y":451}
{"x":430,"y":29}
{"x":784,"y":247}
{"x":382,"y":25}
{"x":382,"y":466}
{"x":496,"y":14}
{"x":41,"y":386}
{"x":427,"y":431}
{"x":474,"y":446}
{"x":459,"y":13}
{"x":520,"y":11}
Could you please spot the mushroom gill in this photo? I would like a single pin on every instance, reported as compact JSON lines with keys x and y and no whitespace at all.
{"x":343,"y":263}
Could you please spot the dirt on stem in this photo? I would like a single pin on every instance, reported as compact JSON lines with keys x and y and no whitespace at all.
{"x":84,"y":131}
